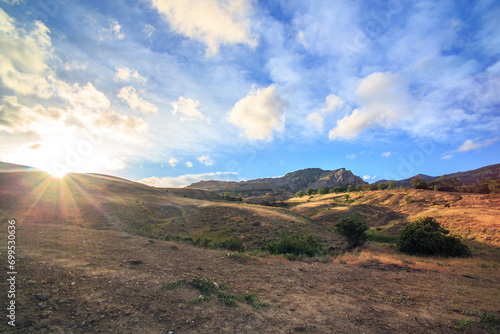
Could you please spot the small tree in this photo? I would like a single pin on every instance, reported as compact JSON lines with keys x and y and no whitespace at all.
{"x":322,"y":191}
{"x":426,"y":236}
{"x":351,"y":188}
{"x":300,"y":193}
{"x":353,"y":230}
{"x":418,"y":183}
{"x":309,"y":192}
{"x":228,"y":196}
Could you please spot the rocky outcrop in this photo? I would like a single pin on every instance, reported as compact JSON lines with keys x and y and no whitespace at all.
{"x":314,"y":178}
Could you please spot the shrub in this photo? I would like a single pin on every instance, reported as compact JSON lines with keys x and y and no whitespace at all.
{"x":425,"y":236}
{"x":292,"y":243}
{"x":300,"y":193}
{"x":310,"y":192}
{"x":233,"y":244}
{"x":408,"y":199}
{"x":322,"y":191}
{"x":418,"y":183}
{"x":353,"y":230}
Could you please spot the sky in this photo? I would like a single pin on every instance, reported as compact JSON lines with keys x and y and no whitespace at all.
{"x":171,"y":92}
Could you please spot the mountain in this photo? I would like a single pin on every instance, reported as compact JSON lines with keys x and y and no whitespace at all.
{"x":313,"y":178}
{"x":465,"y":178}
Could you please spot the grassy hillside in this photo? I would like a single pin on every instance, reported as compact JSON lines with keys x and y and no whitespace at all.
{"x":86,"y":261}
{"x":104,"y":202}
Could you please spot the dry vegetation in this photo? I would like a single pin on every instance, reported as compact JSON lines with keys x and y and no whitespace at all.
{"x":90,"y":244}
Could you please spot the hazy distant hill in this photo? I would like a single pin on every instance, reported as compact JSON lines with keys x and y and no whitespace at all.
{"x":314,"y":178}
{"x":466,"y":178}
{"x":246,"y":188}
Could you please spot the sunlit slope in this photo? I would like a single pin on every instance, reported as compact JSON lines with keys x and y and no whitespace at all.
{"x":472,"y":216}
{"x":102,"y":202}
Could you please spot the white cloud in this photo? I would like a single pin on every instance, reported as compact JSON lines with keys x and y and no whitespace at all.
{"x":206,"y":160}
{"x":369,"y":177}
{"x":126,"y":74}
{"x":386,"y":154}
{"x":173,"y":161}
{"x":212,"y":22}
{"x":24,"y":56}
{"x":351,"y":156}
{"x":470,"y":144}
{"x":74,"y":65}
{"x":259,"y":114}
{"x":332,"y":102}
{"x":114,"y":31}
{"x":317,"y":119}
{"x":185,"y":180}
{"x":17,"y":118}
{"x":113,"y":164}
{"x":447,"y":157}
{"x":187,"y":109}
{"x":383,"y":101}
{"x":189,"y":164}
{"x":135,"y":102}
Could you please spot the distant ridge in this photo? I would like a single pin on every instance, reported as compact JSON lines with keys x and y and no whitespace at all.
{"x":465,"y":178}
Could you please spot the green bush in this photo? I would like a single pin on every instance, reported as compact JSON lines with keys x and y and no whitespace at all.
{"x":300,"y":193}
{"x":353,"y":230}
{"x":292,"y":243}
{"x":233,"y":244}
{"x":425,"y":236}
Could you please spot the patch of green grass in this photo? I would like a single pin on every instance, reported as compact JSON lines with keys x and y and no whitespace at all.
{"x":172,"y":285}
{"x":377,"y":236}
{"x":295,"y":246}
{"x":487,"y":321}
{"x":210,"y":290}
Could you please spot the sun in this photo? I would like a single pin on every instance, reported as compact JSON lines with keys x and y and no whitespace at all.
{"x":58,"y":174}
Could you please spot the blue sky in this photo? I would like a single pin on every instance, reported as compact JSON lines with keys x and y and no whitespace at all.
{"x":171,"y":92}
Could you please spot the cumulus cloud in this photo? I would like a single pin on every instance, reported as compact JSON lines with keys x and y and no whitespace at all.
{"x":351,"y":156}
{"x":206,"y":160}
{"x":259,"y":114}
{"x":127,"y":74}
{"x":333,"y":102}
{"x":187,"y":110}
{"x":369,"y":177}
{"x":383,"y":101}
{"x":212,"y":22}
{"x":23,"y":57}
{"x":470,"y":144}
{"x":189,"y":164}
{"x":17,"y":118}
{"x":129,"y":94}
{"x":386,"y":154}
{"x":185,"y":180}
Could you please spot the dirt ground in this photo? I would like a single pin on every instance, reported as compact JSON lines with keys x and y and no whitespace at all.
{"x":78,"y":280}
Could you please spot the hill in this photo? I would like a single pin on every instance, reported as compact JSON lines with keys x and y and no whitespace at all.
{"x":313,"y":178}
{"x":465,"y":178}
{"x":247,"y":189}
